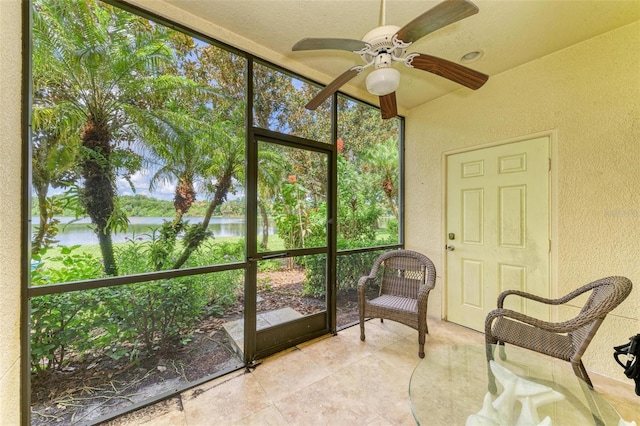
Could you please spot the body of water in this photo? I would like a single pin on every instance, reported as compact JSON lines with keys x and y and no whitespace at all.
{"x":140,"y":228}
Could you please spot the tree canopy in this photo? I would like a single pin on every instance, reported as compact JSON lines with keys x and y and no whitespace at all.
{"x":117,"y":96}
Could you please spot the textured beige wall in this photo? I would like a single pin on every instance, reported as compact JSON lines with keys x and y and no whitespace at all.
{"x":588,"y":97}
{"x":10,"y":84}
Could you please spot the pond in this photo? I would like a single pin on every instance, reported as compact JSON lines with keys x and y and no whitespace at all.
{"x":72,"y":232}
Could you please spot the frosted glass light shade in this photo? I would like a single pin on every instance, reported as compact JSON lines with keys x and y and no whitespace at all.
{"x":383,"y":81}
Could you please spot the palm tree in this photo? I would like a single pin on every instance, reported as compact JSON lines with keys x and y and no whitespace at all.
{"x":222,"y":137}
{"x":223,"y":164}
{"x":195,"y":149}
{"x":179,"y":156}
{"x":103,"y":67}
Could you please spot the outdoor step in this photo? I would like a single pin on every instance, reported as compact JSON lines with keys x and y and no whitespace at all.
{"x":235,"y":329}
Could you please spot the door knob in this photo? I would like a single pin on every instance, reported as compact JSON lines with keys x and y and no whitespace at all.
{"x":450,"y":248}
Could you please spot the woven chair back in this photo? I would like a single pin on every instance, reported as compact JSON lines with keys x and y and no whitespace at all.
{"x":402,"y":276}
{"x":605,"y":295}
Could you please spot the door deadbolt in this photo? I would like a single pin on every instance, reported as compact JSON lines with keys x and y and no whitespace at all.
{"x":452,"y":236}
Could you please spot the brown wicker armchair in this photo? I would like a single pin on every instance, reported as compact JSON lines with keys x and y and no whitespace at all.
{"x":405,"y":278}
{"x":566,"y":340}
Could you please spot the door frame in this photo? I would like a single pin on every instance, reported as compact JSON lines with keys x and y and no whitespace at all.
{"x":553,"y":211}
{"x":261,"y":343}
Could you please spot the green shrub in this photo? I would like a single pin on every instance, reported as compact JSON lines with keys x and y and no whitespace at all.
{"x":350,"y":268}
{"x":223,"y":287}
{"x":160,"y":315}
{"x":392,"y":230}
{"x":353,"y":266}
{"x":316,"y":274}
{"x":61,"y":323}
{"x":131,"y":320}
{"x":152,"y":316}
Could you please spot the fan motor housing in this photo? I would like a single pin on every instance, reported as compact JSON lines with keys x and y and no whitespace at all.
{"x":381,"y":41}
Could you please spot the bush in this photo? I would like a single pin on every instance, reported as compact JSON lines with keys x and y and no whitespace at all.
{"x":160,"y":315}
{"x":152,"y":316}
{"x":353,"y":266}
{"x":131,"y":320}
{"x":61,"y":323}
{"x":223,"y":287}
{"x":350,"y":267}
{"x":316,"y":274}
{"x":392,"y":229}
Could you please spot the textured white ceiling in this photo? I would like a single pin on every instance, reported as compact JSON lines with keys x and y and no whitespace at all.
{"x":509,"y":32}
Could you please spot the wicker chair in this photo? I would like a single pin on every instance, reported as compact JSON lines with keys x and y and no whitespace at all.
{"x":566,"y":340}
{"x":405,"y":278}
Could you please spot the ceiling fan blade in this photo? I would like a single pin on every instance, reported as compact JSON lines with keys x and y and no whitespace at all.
{"x":333,"y":87}
{"x":329,"y":43}
{"x":447,"y":69}
{"x":445,"y":13}
{"x":388,"y":106}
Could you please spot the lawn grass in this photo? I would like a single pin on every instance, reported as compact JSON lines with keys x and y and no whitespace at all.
{"x":53,"y":257}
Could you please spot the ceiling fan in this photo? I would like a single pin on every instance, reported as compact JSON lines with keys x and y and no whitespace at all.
{"x":385,"y":45}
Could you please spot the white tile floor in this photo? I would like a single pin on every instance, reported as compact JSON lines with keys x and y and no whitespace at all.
{"x":335,"y":380}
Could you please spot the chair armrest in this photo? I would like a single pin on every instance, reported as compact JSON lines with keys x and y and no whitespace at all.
{"x":363,"y":280}
{"x":423,"y":299}
{"x":362,"y":285}
{"x":525,"y":295}
{"x":423,"y":293}
{"x":559,"y":301}
{"x":555,"y":327}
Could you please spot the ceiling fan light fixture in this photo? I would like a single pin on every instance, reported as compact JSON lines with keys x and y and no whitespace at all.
{"x":383,"y":81}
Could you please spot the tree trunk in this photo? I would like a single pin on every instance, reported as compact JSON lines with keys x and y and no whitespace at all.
{"x":387,"y":188}
{"x":222,"y":189}
{"x":392,"y":204}
{"x":106,"y":248}
{"x":184,"y":197}
{"x":99,"y":187}
{"x":265,"y":225}
{"x":38,"y":240}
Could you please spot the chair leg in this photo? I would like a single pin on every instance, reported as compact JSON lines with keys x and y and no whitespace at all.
{"x":491,"y":382}
{"x":362,"y":326}
{"x":422,"y":332}
{"x":581,"y":372}
{"x":501,"y":352}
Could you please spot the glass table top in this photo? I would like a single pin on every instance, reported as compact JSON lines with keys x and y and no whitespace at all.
{"x":450,"y":387}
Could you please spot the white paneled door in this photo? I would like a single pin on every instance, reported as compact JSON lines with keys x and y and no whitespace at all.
{"x":497,"y":229}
